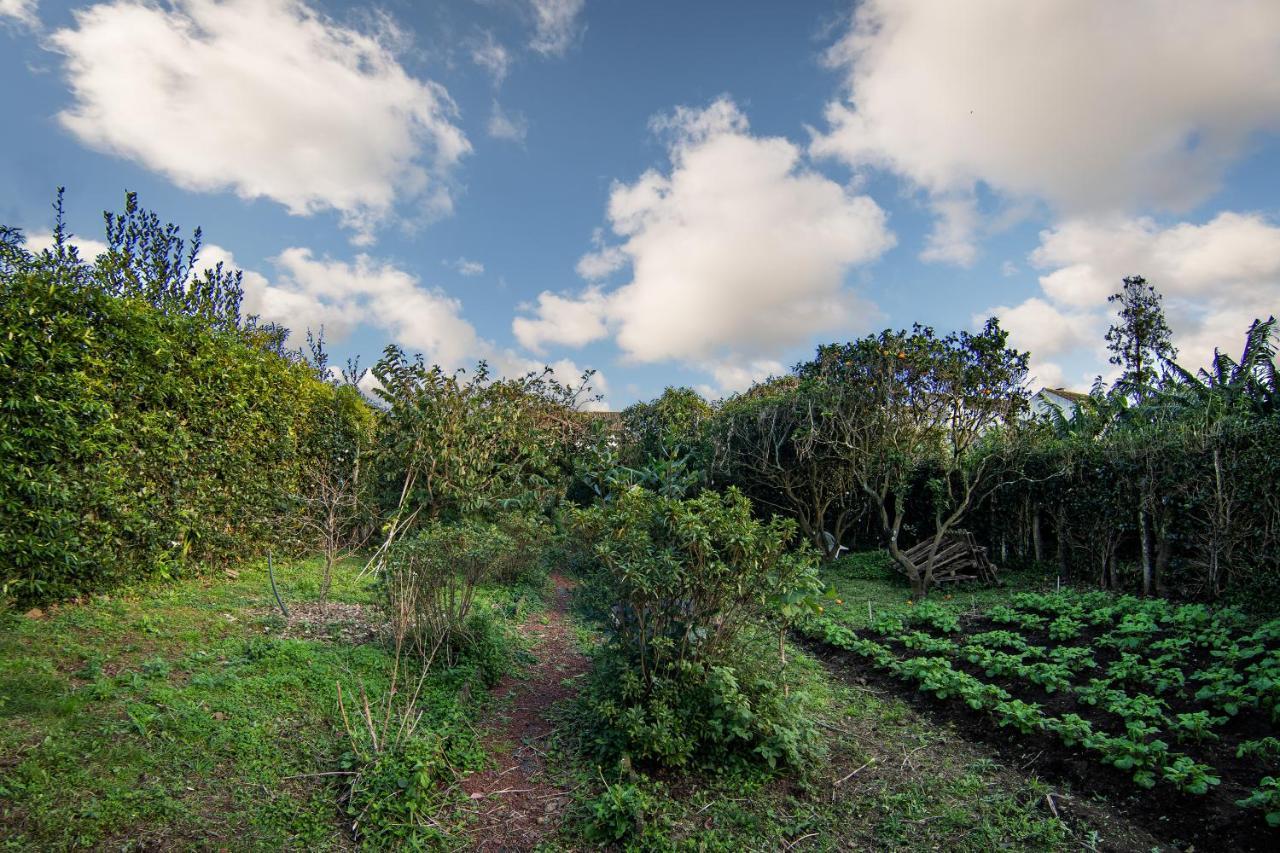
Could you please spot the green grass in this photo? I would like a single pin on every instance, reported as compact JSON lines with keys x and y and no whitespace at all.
{"x":918,"y":789}
{"x":868,"y":578}
{"x":174,"y":716}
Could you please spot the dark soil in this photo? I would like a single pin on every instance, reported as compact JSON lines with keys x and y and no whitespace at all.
{"x":1210,"y":821}
{"x":516,"y":805}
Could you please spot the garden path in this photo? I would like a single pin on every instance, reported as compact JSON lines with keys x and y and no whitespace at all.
{"x":516,"y":805}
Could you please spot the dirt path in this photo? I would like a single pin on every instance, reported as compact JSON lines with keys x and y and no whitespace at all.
{"x":516,"y":806}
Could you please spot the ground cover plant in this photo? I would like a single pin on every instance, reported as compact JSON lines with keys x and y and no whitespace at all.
{"x":1176,"y":699}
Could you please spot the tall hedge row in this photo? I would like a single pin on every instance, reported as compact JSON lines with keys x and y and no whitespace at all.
{"x":136,"y":441}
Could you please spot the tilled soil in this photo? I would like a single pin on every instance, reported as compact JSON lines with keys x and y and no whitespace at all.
{"x":516,"y":804}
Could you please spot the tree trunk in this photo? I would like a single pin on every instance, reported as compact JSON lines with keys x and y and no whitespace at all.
{"x":1163,"y":548}
{"x":1037,"y":542}
{"x":1145,"y":540}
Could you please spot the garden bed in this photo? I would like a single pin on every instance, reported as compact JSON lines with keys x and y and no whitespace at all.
{"x":1168,"y":709}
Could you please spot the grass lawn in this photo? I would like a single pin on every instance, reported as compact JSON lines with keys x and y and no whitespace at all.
{"x":178,"y":715}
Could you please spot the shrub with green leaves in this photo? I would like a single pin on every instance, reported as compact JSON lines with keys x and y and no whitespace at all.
{"x":145,"y":427}
{"x":685,"y":677}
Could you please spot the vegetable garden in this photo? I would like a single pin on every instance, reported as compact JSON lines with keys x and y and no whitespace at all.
{"x":1175,"y":699}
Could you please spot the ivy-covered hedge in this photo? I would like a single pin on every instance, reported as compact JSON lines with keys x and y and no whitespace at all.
{"x":136,"y":441}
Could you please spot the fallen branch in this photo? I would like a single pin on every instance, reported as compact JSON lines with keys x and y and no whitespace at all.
{"x":849,"y":776}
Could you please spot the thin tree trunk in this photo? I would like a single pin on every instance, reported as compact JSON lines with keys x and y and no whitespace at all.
{"x":1037,"y":542}
{"x":1146,"y":552}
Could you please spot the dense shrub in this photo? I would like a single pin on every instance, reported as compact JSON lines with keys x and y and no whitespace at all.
{"x":133,"y":441}
{"x":686,"y":676}
{"x":145,"y":425}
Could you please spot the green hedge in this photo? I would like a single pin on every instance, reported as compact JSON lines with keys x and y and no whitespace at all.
{"x":134,"y":441}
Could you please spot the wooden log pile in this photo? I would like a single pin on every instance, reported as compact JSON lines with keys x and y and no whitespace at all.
{"x":959,"y":558}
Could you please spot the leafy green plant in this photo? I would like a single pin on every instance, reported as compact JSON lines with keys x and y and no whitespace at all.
{"x":694,"y":583}
{"x":1071,"y":729}
{"x":1065,"y":628}
{"x":1195,"y":726}
{"x":1023,"y":716}
{"x":1266,"y":747}
{"x":1190,"y":776}
{"x":429,"y":584}
{"x":619,"y":812}
{"x":1266,"y":797}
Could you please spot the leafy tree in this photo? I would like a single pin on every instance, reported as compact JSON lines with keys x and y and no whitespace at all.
{"x":898,"y":404}
{"x":672,"y":426}
{"x":1140,"y":340}
{"x":767,"y":442}
{"x":456,"y":446}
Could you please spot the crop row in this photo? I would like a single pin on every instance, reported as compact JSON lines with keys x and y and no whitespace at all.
{"x":1139,"y":751}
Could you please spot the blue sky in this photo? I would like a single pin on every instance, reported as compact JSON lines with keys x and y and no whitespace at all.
{"x":672,"y":192}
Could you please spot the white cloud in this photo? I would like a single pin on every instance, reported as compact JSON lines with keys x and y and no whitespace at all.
{"x":1089,"y":105}
{"x":737,"y":250}
{"x":570,"y":320}
{"x":512,"y":127}
{"x":342,"y":294}
{"x":1216,"y":277}
{"x":267,"y":98}
{"x":467,"y":267}
{"x":603,"y":261}
{"x":951,"y":240}
{"x":22,"y":11}
{"x":89,"y":249}
{"x":310,"y":292}
{"x":556,"y":25}
{"x":734,"y":375}
{"x":488,"y":53}
{"x":1046,"y":329}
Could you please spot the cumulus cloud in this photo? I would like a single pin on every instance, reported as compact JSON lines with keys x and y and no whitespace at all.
{"x":733,"y":375}
{"x":603,"y":261}
{"x":488,"y":53}
{"x":736,"y":250}
{"x":22,"y":11}
{"x":267,"y":98}
{"x":512,"y":127}
{"x":556,"y":25}
{"x":1217,"y":277}
{"x":557,"y":318}
{"x":1088,"y":105}
{"x":310,"y":292}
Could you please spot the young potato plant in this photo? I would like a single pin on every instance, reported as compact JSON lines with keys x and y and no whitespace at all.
{"x":1134,"y":631}
{"x":1051,"y":676}
{"x":993,"y":663}
{"x":1132,"y":753}
{"x":1266,"y":797}
{"x":999,"y":639}
{"x":1075,"y":658}
{"x":922,"y":642}
{"x":1267,"y":747}
{"x":1003,"y":615}
{"x":936,"y":616}
{"x":1071,"y":729}
{"x":1196,"y":726}
{"x":1190,"y":776}
{"x":1023,"y":716}
{"x":1065,"y":628}
{"x":1224,"y":689}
